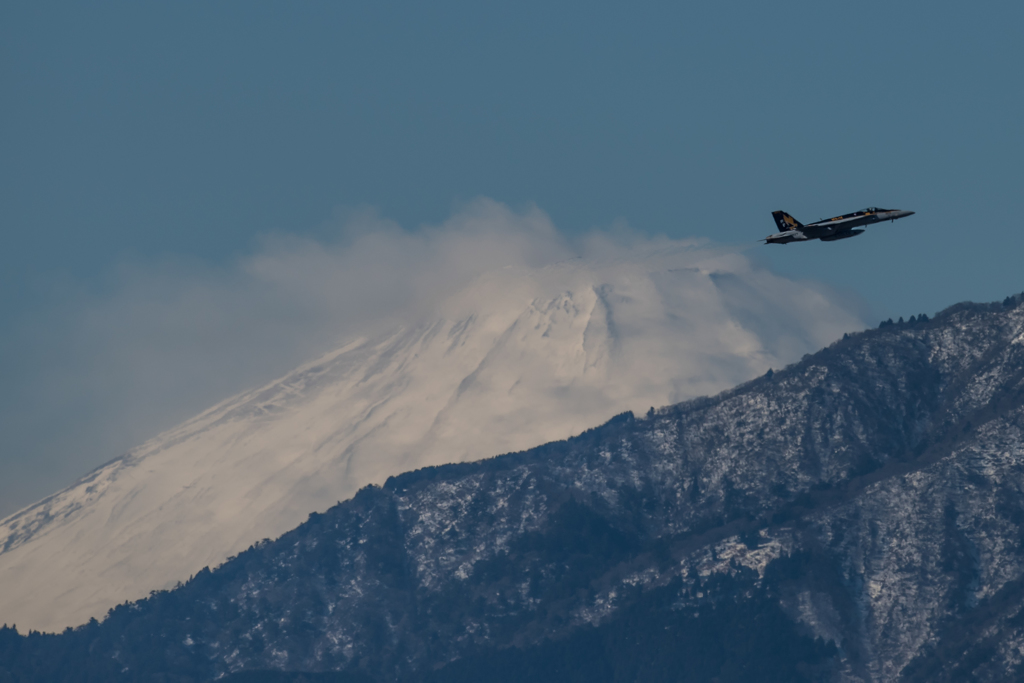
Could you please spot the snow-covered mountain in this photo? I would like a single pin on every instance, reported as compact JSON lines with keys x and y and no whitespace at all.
{"x":521,"y":357}
{"x":856,"y":516}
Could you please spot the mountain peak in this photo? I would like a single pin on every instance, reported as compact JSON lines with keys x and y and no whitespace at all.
{"x":520,"y":357}
{"x":855,"y":516}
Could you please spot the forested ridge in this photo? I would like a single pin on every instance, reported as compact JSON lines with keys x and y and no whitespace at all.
{"x":856,"y":516}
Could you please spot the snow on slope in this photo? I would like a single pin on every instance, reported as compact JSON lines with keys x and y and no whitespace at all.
{"x":521,"y":357}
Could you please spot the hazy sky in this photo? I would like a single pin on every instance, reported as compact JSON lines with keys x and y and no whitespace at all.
{"x":173,"y":137}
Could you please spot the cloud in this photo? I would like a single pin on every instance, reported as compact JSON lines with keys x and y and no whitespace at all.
{"x":103,"y":371}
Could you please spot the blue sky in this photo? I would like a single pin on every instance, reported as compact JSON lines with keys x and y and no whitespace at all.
{"x":136,"y":130}
{"x":137,"y":134}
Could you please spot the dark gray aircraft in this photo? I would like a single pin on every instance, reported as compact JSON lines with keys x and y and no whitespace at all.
{"x":830,"y":229}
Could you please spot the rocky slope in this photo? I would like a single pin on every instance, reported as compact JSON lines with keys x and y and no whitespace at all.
{"x":856,"y":516}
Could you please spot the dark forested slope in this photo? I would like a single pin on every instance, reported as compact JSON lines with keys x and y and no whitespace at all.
{"x":857,"y":516}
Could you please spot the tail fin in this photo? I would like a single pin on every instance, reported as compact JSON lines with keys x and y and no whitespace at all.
{"x":785,"y":221}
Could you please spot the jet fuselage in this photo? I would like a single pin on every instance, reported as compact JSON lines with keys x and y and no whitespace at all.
{"x":830,"y":229}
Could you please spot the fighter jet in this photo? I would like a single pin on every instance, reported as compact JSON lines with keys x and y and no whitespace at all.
{"x":830,"y":229}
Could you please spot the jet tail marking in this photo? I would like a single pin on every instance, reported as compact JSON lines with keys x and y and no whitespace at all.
{"x":785,"y":221}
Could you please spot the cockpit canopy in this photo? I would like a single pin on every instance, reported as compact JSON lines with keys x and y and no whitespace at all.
{"x":875,"y":209}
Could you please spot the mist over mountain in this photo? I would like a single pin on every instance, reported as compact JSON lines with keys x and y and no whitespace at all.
{"x":857,"y":516}
{"x":518,"y":356}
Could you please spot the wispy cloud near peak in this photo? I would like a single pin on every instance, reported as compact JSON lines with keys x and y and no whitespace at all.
{"x":98,"y":373}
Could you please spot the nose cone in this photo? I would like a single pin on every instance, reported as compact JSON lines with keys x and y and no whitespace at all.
{"x":904,"y":214}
